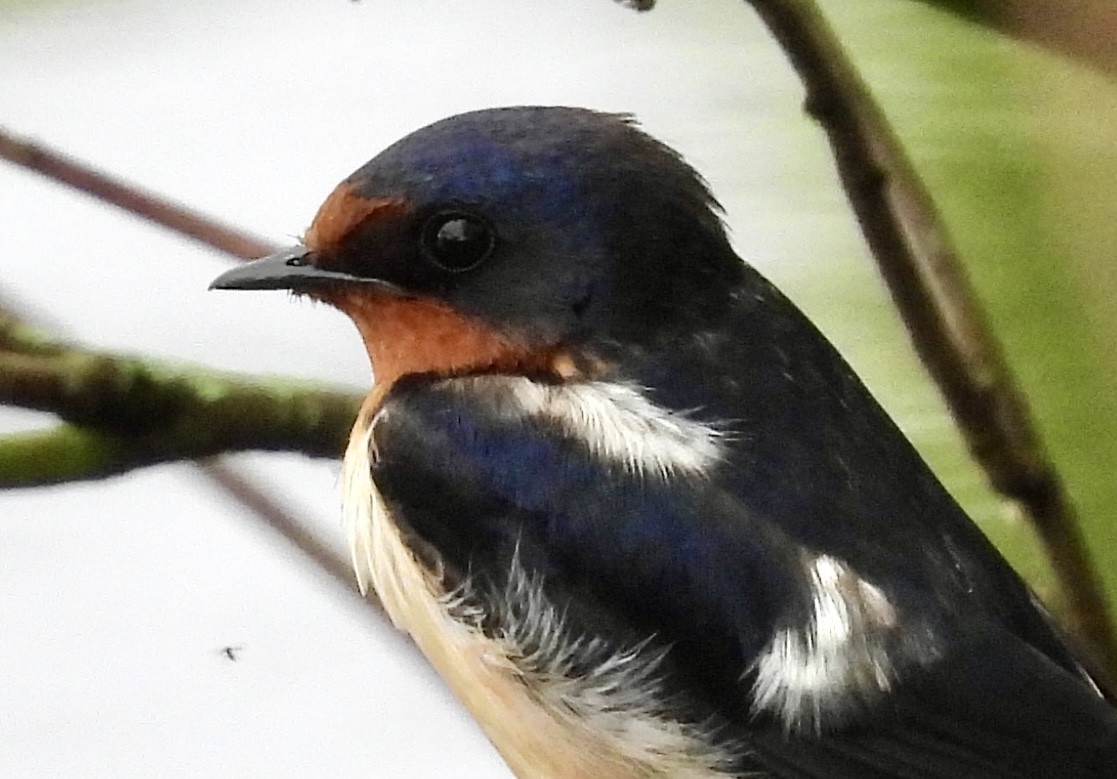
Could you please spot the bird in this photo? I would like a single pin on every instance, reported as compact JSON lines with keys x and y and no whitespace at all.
{"x":633,"y":506}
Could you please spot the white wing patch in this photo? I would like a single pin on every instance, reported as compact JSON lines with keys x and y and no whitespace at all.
{"x":617,"y":422}
{"x":849,"y":653}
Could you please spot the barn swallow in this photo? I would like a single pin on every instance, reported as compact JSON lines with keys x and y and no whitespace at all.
{"x":633,"y":507}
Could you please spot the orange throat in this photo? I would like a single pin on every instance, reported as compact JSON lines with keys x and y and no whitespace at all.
{"x":419,"y":335}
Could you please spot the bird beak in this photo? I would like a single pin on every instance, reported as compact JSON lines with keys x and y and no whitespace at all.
{"x":293,"y":268}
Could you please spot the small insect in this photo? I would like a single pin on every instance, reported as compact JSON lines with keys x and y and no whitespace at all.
{"x":232,"y":652}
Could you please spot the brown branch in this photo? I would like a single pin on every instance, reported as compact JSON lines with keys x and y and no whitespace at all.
{"x":921,"y":266}
{"x":261,"y":505}
{"x":131,"y":198}
{"x":56,"y":454}
{"x":1083,"y":30}
{"x":67,"y":450}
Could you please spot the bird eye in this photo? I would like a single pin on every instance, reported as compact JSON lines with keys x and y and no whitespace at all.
{"x":457,"y":241}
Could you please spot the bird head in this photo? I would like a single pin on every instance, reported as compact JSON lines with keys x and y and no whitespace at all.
{"x":512,"y":240}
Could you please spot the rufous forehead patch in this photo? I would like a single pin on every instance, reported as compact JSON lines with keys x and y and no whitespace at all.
{"x":342,"y":213}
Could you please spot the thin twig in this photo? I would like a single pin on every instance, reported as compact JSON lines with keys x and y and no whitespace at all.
{"x":249,"y":494}
{"x":130,"y":198}
{"x":65,"y":450}
{"x":16,"y":332}
{"x":920,"y":264}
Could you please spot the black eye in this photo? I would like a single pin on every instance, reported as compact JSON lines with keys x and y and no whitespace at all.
{"x":457,"y":241}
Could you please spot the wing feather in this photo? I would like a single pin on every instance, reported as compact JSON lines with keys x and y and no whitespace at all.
{"x":630,"y":556}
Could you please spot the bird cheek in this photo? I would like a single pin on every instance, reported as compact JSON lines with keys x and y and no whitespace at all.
{"x":419,"y":335}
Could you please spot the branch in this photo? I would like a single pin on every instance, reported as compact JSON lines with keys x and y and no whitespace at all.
{"x":263,"y":506}
{"x":54,"y":455}
{"x":921,"y":266}
{"x":130,"y":198}
{"x":121,"y":413}
{"x":1083,"y":30}
{"x":18,"y":336}
{"x":70,"y":452}
{"x":916,"y":257}
{"x":126,"y":413}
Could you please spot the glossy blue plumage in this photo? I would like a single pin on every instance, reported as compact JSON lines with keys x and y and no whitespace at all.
{"x":690,"y":474}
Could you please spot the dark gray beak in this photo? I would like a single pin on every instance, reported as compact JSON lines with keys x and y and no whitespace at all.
{"x":292,"y":268}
